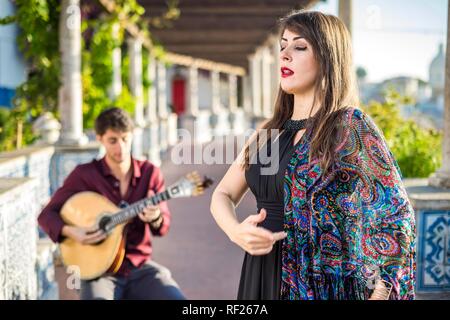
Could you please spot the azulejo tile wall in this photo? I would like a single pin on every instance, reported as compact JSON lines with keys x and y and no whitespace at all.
{"x":433,"y":268}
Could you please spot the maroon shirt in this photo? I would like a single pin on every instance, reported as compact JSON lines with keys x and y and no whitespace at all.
{"x":97,"y":176}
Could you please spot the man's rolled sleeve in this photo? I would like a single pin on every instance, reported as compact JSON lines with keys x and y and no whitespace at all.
{"x":50,"y":218}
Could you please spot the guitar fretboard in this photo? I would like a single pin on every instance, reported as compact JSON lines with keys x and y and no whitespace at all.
{"x":133,"y":210}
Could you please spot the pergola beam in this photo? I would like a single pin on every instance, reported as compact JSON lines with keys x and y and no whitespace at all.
{"x":245,"y":10}
{"x":208,"y":4}
{"x":229,"y":23}
{"x":220,"y":30}
{"x":205,"y":64}
{"x":212,"y":48}
{"x":174,"y":58}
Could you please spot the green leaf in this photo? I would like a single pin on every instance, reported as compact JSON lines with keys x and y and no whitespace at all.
{"x":8,"y":20}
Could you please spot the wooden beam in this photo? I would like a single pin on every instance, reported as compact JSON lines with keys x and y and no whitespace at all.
{"x":229,"y":23}
{"x":174,"y":58}
{"x":206,"y":64}
{"x":217,"y":56}
{"x":180,"y":36}
{"x":271,"y":11}
{"x":230,"y":3}
{"x":208,"y":48}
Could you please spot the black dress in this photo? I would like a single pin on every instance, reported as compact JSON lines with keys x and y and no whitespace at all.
{"x":261,"y":275}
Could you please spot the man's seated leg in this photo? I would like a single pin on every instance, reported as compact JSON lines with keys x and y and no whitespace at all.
{"x":152,"y":281}
{"x":103,"y":288}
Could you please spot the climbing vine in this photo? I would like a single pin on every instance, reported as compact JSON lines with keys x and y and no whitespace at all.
{"x":38,"y":21}
{"x":38,"y":42}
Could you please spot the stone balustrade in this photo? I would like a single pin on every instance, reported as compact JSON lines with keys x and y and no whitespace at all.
{"x":18,"y":238}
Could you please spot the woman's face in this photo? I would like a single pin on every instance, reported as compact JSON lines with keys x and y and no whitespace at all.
{"x":299,"y":68}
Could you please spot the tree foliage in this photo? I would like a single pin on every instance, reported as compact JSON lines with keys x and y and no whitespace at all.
{"x":38,"y":41}
{"x":417,"y":150}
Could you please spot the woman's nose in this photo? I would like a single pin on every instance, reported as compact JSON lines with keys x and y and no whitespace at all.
{"x":285,"y":56}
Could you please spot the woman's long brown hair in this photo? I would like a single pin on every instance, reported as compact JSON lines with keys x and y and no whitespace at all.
{"x":335,"y":87}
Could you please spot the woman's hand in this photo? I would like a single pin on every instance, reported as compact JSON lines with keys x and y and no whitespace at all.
{"x":253,"y":239}
{"x":381,"y":292}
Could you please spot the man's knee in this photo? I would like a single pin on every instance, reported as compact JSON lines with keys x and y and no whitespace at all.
{"x":100,"y":289}
{"x":162,"y":285}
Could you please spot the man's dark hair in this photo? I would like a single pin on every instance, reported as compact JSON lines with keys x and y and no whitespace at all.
{"x":115,"y":119}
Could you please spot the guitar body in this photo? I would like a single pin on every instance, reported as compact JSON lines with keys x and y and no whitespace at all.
{"x":85,"y":209}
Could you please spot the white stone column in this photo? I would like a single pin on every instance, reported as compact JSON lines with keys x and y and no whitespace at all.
{"x":162,"y":104}
{"x":172,"y":118}
{"x":232,"y":92}
{"x":136,"y":88}
{"x":236,"y":114}
{"x":255,"y":83}
{"x":70,"y":101}
{"x":215,"y":92}
{"x":116,"y":85}
{"x":276,"y":66}
{"x":442,"y":177}
{"x":345,"y":13}
{"x":246,"y":102}
{"x":266,"y":65}
{"x":196,"y":122}
{"x":151,"y":132}
{"x":152,"y":96}
{"x":221,"y":118}
{"x":247,"y":95}
{"x":192,"y":92}
{"x":216,"y":105}
{"x":162,"y":89}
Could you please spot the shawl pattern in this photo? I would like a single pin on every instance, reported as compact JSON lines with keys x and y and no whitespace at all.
{"x":349,"y":223}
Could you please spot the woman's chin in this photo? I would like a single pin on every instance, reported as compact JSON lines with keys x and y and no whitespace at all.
{"x":296,"y":89}
{"x":289,"y":89}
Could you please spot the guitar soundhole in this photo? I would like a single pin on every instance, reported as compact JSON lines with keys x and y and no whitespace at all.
{"x":98,"y":243}
{"x":103,"y":223}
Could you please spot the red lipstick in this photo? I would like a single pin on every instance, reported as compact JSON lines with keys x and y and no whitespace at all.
{"x":286,"y":72}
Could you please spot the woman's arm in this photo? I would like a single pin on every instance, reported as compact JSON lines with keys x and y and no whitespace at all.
{"x":227,"y":195}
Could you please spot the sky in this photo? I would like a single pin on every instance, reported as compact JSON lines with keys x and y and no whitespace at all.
{"x":395,"y":37}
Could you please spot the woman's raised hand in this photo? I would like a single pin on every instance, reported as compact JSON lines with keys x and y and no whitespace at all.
{"x":253,"y":239}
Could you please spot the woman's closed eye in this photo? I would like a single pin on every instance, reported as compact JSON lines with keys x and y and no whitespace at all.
{"x":296,"y":48}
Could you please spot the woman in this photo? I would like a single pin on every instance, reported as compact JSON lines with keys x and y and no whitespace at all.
{"x":337,"y":201}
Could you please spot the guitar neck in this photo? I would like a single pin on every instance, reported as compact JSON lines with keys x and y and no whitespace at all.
{"x":133,"y":210}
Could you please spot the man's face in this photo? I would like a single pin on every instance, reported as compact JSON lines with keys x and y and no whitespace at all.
{"x":117,"y":144}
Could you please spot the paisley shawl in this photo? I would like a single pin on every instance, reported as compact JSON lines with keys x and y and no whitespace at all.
{"x":346,"y":224}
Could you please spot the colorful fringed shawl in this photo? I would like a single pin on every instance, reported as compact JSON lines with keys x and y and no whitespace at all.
{"x":343,"y":225}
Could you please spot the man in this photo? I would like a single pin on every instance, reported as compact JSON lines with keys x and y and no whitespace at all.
{"x":123,"y":180}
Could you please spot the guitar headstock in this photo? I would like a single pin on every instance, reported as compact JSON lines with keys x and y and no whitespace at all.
{"x":190,"y":185}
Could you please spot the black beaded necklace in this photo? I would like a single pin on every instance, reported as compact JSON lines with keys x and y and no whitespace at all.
{"x":296,"y":125}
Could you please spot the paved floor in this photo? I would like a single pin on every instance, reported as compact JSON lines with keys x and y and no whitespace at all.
{"x":204,"y":262}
